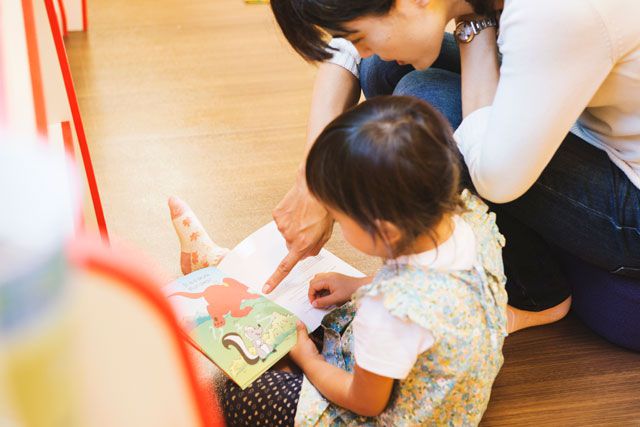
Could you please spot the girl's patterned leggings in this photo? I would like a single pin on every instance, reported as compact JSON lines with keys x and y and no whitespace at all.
{"x":271,"y":400}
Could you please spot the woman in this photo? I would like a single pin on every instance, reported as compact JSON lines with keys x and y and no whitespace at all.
{"x":551,"y":134}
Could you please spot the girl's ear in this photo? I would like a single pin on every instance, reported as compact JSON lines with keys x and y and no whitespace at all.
{"x":389,"y":232}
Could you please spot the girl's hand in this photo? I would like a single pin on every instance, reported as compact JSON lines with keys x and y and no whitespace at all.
{"x":327,"y":289}
{"x":305,"y":349}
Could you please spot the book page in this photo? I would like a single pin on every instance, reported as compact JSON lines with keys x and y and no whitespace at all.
{"x":254,"y":260}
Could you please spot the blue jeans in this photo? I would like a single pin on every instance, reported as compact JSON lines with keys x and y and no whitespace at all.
{"x":582,"y":204}
{"x":438,"y":85}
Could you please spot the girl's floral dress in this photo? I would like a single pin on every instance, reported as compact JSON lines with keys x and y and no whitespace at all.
{"x":465,"y":311}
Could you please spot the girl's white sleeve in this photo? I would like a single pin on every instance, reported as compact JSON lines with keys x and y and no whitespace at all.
{"x":346,"y":55}
{"x":556,"y":54}
{"x":385,"y":344}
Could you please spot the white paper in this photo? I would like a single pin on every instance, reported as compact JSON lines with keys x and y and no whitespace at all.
{"x":256,"y":258}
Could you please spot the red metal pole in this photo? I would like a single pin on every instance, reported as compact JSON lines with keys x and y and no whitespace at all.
{"x":77,"y":120}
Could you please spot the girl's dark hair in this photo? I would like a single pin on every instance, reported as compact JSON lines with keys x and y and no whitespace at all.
{"x":306,"y":22}
{"x":391,"y":158}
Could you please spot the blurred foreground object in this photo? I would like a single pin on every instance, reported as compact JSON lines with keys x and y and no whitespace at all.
{"x":85,"y":337}
{"x":35,"y":221}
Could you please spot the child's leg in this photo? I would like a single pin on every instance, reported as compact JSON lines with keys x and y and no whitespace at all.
{"x":197,"y":249}
{"x":271,"y":400}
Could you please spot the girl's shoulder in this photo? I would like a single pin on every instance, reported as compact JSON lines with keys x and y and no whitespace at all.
{"x":415,"y":283}
{"x":433,"y":298}
{"x":489,"y":240}
{"x":478,"y":216}
{"x":424,"y":297}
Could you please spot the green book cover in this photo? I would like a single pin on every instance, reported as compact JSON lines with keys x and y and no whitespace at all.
{"x":242,"y":332}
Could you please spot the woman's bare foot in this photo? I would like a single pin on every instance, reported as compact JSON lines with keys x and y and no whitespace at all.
{"x":521,"y":319}
{"x":197,"y":250}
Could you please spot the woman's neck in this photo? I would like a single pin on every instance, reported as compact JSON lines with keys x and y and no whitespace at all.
{"x":458,"y":8}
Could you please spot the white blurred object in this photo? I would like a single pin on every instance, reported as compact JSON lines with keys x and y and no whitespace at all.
{"x":38,"y":192}
{"x":40,"y":199}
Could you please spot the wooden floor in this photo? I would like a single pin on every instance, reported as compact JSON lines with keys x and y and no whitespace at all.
{"x":203,"y":99}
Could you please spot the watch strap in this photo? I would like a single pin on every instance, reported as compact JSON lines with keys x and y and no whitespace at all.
{"x":466,"y":30}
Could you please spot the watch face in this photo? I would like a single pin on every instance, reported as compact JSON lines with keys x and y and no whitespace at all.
{"x":464,"y":32}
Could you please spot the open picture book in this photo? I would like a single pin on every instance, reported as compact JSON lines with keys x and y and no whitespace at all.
{"x":225,"y":315}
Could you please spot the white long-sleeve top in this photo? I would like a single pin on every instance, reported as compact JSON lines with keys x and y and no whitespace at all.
{"x":567,"y":65}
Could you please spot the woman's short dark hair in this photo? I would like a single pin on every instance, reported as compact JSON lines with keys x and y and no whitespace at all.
{"x":391,"y":158}
{"x":306,"y":22}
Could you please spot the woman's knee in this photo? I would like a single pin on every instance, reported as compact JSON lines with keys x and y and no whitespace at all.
{"x":439,"y":88}
{"x":378,"y":77}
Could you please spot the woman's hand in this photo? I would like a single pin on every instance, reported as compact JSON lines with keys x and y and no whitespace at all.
{"x":327,"y":289}
{"x":305,"y":225}
{"x":304,"y":350}
{"x":303,"y":222}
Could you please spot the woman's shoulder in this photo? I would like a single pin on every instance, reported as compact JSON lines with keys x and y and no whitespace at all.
{"x":345,"y":54}
{"x":583,"y":19}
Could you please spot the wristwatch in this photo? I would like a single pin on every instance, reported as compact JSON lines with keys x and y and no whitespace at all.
{"x":466,"y":30}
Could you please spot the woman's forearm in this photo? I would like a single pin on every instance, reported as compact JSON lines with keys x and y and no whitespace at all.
{"x":480,"y":71}
{"x":335,"y":90}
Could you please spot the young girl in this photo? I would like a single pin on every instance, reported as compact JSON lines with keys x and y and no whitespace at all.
{"x":420,"y":342}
